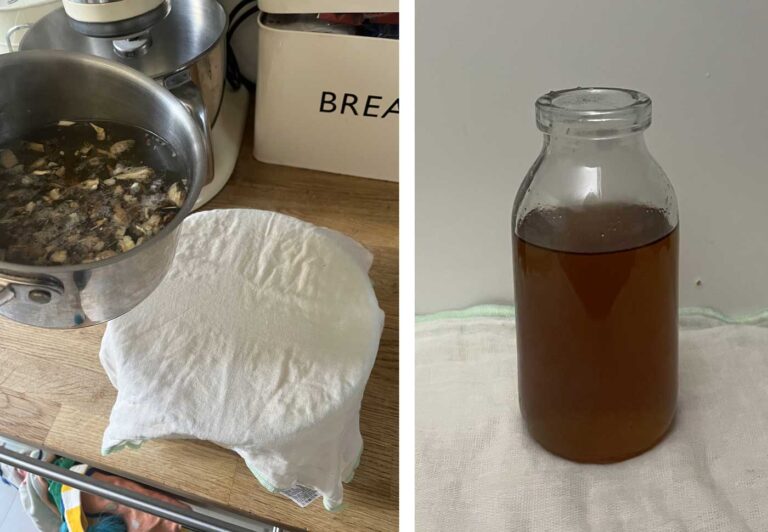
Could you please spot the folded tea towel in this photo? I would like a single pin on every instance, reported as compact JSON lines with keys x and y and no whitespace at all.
{"x":260,"y":339}
{"x":477,"y":469}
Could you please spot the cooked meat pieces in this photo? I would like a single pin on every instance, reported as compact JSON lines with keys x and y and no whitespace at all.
{"x":72,"y":194}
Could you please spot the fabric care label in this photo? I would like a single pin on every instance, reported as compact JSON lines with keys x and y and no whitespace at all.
{"x":301,"y":495}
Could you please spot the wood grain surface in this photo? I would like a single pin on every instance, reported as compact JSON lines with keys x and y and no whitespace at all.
{"x":54,"y":393}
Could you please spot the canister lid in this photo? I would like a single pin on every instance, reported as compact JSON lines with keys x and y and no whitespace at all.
{"x":191,"y":29}
{"x":329,"y":6}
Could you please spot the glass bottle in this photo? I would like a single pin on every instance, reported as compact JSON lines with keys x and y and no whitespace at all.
{"x":595,"y":245}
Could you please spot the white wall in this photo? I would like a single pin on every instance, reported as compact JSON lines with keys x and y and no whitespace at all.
{"x":481,"y":66}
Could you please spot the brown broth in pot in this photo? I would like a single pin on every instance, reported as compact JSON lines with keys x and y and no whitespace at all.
{"x":78,"y":192}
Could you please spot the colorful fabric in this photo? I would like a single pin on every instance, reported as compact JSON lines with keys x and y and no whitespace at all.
{"x":54,"y":488}
{"x":135,"y":521}
{"x":72,"y":509}
{"x":74,"y":515}
{"x":84,"y":512}
{"x":76,"y":519}
{"x":51,"y":506}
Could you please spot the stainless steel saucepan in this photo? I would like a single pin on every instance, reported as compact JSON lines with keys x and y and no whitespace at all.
{"x":41,"y":87}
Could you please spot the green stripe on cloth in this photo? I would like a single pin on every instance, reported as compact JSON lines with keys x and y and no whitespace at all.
{"x":508,"y":311}
{"x":480,"y":311}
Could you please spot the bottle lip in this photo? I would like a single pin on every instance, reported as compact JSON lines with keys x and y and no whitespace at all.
{"x":593,"y":111}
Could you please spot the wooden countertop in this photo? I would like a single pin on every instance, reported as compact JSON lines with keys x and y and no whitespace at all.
{"x":54,"y":393}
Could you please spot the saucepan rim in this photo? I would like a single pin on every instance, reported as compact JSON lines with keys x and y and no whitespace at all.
{"x":196,"y":171}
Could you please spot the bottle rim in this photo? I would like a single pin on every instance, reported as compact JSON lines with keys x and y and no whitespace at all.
{"x":593,"y":111}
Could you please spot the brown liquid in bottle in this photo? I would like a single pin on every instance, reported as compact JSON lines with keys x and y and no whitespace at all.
{"x":596,"y":298}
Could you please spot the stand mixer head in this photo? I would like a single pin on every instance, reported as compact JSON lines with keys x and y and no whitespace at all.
{"x":116,"y":19}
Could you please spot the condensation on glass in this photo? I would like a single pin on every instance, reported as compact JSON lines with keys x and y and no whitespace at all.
{"x":595,"y":245}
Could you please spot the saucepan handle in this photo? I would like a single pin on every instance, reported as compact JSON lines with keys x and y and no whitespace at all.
{"x":182,"y":86}
{"x":10,"y":33}
{"x":39,"y":289}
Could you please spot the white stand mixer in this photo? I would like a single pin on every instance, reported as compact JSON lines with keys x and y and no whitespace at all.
{"x":226,"y":137}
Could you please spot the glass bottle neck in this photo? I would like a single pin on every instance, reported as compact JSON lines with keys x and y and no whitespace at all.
{"x":572,"y":144}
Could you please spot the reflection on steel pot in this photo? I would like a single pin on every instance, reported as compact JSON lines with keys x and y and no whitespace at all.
{"x":42,"y":87}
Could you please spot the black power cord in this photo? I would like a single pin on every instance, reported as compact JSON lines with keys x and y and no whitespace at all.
{"x":239,"y":7}
{"x":235,"y":77}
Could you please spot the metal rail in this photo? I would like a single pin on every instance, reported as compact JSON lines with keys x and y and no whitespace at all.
{"x":144,"y":503}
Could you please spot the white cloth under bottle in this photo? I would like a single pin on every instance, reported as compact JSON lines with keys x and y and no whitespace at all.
{"x":478,"y":469}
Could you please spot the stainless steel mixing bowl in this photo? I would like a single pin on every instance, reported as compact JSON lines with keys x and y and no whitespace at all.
{"x":41,"y":87}
{"x":187,"y":49}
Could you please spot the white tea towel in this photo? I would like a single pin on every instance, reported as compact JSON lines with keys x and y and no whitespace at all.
{"x":260,"y":339}
{"x":477,"y":468}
